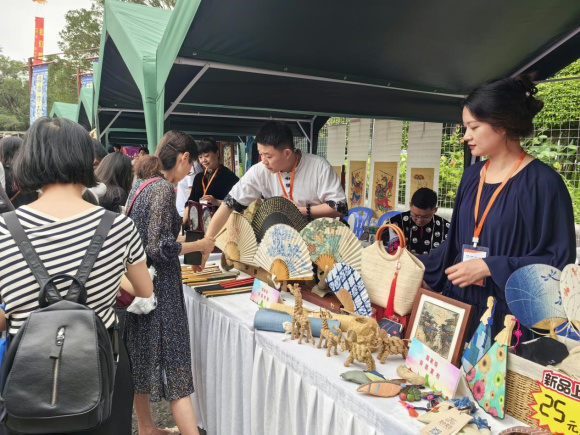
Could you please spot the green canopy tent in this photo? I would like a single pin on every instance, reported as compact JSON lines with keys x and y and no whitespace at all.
{"x":64,"y":110}
{"x":409,"y":60}
{"x":126,"y":92}
{"x":85,"y":109}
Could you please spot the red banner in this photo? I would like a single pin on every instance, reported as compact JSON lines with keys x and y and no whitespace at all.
{"x":38,"y":40}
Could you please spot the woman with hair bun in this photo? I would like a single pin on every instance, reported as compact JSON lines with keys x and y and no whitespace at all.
{"x":158,"y":342}
{"x":511,"y":210}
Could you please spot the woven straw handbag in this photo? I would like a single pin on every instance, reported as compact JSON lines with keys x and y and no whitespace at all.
{"x":392,"y":281}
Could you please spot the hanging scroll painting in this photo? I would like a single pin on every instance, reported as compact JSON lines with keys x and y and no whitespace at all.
{"x":356,"y":183}
{"x":421,"y":177}
{"x":384,"y":187}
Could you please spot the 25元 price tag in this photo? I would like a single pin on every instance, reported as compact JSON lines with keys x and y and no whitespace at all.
{"x":557,"y":404}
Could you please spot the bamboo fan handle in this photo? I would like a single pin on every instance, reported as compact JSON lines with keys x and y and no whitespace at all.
{"x":396,"y":229}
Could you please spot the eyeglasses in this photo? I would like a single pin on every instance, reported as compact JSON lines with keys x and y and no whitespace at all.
{"x":419,"y":217}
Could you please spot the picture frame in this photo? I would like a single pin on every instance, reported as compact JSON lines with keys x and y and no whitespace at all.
{"x":441,"y":323}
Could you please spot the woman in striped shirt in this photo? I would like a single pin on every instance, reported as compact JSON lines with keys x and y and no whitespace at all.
{"x":57,"y":157}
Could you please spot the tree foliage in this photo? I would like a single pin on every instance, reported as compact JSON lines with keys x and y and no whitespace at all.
{"x":14,"y":101}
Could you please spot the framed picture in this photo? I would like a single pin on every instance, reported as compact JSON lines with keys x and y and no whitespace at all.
{"x":228,"y":155}
{"x":441,"y":323}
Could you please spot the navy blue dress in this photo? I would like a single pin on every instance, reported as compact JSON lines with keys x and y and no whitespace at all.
{"x":531,"y":222}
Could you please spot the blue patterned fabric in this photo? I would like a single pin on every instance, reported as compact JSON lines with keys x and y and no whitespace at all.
{"x":343,"y":276}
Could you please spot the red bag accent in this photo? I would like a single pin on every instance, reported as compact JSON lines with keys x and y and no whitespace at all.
{"x":124,"y":299}
{"x":390,"y":309}
{"x":143,"y":186}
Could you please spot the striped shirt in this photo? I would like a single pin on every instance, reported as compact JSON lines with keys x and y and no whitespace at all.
{"x":61,"y":245}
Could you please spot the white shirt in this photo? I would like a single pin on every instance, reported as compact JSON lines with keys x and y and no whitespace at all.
{"x":2,"y":176}
{"x":315,"y":182}
{"x":183,"y":188}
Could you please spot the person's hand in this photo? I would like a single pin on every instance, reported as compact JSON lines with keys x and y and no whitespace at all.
{"x":180,"y":239}
{"x":204,"y":257}
{"x":206,"y":245}
{"x":467,"y":272}
{"x":210,"y":200}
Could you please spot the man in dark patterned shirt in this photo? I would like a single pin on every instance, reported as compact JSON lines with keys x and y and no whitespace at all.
{"x":423,"y":229}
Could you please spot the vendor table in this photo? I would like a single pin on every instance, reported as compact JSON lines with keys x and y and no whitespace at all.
{"x":252,"y":382}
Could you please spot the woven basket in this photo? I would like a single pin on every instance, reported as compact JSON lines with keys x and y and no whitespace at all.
{"x":379,"y":268}
{"x":521,"y":379}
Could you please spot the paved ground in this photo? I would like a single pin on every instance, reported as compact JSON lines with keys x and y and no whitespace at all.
{"x":162,"y":415}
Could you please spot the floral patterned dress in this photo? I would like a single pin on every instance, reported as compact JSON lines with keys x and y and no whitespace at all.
{"x":158,"y":343}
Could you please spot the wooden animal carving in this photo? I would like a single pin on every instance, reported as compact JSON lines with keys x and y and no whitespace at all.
{"x":390,"y":346}
{"x":300,"y":322}
{"x":330,"y":339}
{"x":358,"y":352}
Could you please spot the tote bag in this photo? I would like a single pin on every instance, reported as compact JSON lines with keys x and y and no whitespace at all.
{"x":392,"y":281}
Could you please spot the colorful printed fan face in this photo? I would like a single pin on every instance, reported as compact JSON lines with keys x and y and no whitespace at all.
{"x":283,"y":253}
{"x":533,"y":296}
{"x":481,"y":341}
{"x":238,"y":242}
{"x":343,"y":276}
{"x":277,"y":210}
{"x":486,"y":379}
{"x":330,"y":241}
{"x":570,"y":294}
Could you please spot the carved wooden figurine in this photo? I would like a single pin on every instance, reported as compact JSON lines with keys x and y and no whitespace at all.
{"x":300,"y":322}
{"x":358,"y":352}
{"x":330,"y":339}
{"x":390,"y":346}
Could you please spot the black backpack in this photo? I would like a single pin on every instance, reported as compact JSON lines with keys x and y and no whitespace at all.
{"x":58,"y":372}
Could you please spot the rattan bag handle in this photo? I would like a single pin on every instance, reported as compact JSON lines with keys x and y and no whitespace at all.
{"x":396,"y":229}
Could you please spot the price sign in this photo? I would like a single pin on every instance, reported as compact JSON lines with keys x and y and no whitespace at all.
{"x":557,"y":404}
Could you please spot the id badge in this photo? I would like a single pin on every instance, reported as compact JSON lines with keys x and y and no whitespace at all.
{"x":469,"y":252}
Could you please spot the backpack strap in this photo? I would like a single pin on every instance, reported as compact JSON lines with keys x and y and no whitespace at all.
{"x":77,"y":291}
{"x":139,"y":190}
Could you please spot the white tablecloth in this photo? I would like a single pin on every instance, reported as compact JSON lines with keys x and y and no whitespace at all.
{"x":222,"y":342}
{"x":252,"y":382}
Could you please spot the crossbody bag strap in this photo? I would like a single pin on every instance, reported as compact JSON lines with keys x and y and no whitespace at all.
{"x":139,"y":190}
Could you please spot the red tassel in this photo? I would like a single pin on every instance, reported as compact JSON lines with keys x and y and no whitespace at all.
{"x":390,"y":310}
{"x":410,"y":409}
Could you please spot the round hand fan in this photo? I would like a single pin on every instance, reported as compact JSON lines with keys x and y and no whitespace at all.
{"x":330,"y":241}
{"x":283,"y":253}
{"x":343,"y":276}
{"x":238,"y":242}
{"x":570,"y":293}
{"x":533,"y":295}
{"x":277,"y":210}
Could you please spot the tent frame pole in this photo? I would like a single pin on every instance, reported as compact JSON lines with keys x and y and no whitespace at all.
{"x":548,"y":51}
{"x":186,"y":90}
{"x":305,"y":135}
{"x":110,"y":123}
{"x":229,"y":67}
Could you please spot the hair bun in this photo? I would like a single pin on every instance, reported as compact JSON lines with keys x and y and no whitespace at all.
{"x":526,"y":82}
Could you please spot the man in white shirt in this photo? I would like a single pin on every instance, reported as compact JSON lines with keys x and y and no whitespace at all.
{"x":184,"y":188}
{"x":307,"y":180}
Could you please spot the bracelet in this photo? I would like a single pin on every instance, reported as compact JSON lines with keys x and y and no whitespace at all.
{"x":308,"y":214}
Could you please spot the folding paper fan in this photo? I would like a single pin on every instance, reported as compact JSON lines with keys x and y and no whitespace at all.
{"x":343,"y":276}
{"x":277,"y":210}
{"x":486,"y":379}
{"x":330,"y":241}
{"x":533,"y":296}
{"x":481,"y":340}
{"x":283,"y":253}
{"x":570,"y":293}
{"x":238,"y":242}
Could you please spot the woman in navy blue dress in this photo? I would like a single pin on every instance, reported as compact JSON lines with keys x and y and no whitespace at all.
{"x":531,"y":219}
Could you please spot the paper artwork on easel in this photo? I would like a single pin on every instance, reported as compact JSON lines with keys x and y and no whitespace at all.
{"x":421,"y":177}
{"x":384,"y":187}
{"x":357,"y":180}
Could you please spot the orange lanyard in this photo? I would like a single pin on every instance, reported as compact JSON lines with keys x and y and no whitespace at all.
{"x":210,"y":180}
{"x":286,"y":195}
{"x":479,"y":226}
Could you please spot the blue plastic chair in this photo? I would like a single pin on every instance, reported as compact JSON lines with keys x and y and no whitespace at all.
{"x":388,"y":215}
{"x":362,"y":217}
